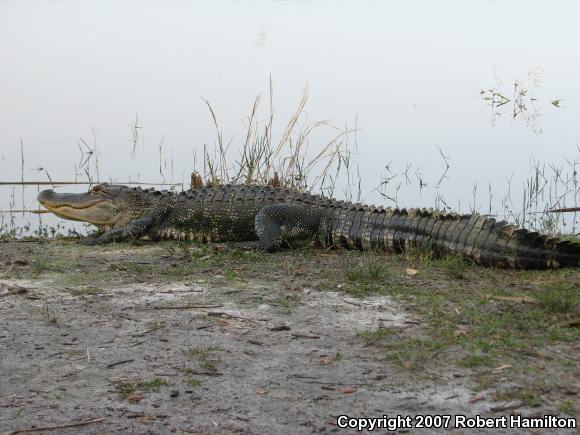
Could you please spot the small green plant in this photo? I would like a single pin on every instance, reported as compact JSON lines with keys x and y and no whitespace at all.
{"x":41,"y":264}
{"x":7,"y":234}
{"x":368,"y":270}
{"x":126,"y":389}
{"x":561,"y":297}
{"x":567,"y":407}
{"x":152,"y":385}
{"x":48,"y":315}
{"x":208,"y":365}
{"x":231,"y":274}
{"x":473,"y":360}
{"x":154,"y":325}
{"x":423,"y":253}
{"x":376,"y":335}
{"x":454,"y":266}
{"x":199,"y":352}
{"x":414,"y":354}
{"x":530,"y":397}
{"x":289,"y":301}
{"x":202,"y":355}
{"x":192,"y":382}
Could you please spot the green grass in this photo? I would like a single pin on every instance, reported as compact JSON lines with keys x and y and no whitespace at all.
{"x":192,"y":382}
{"x":48,"y":315}
{"x":43,"y":264}
{"x":424,"y":254}
{"x":530,"y":397}
{"x":208,"y":366}
{"x":474,"y":360}
{"x":152,"y":385}
{"x":368,"y":270}
{"x":414,"y":354}
{"x":154,"y":325}
{"x":202,"y":355}
{"x":454,"y":266}
{"x":463,"y":324}
{"x":559,"y":297}
{"x":568,"y":407}
{"x":366,"y":275}
{"x":377,"y":334}
{"x":199,"y":352}
{"x":230,"y":274}
{"x":125,"y":389}
{"x":289,"y":301}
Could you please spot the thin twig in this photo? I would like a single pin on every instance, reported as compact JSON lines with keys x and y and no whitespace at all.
{"x":184,"y":307}
{"x":62,"y":426}
{"x":25,"y":211}
{"x":564,"y":210}
{"x":118,"y":363}
{"x":50,"y":183}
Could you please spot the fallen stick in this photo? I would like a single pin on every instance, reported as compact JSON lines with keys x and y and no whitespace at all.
{"x":206,"y":373}
{"x":118,"y":363}
{"x":62,"y":426}
{"x":183,"y":307}
{"x":564,"y":210}
{"x":305,"y":336}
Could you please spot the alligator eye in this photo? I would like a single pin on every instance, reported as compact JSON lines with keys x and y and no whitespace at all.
{"x":98,"y":189}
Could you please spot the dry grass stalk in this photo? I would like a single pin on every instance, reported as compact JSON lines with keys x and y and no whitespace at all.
{"x":287,"y":162}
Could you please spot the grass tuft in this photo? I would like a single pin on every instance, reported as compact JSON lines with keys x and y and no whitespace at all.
{"x":368,"y":270}
{"x":454,"y":266}
{"x":48,"y":315}
{"x":560,"y":297}
{"x":475,"y":360}
{"x":193,"y":382}
{"x":529,"y":396}
{"x":152,"y":385}
{"x":414,"y":354}
{"x":377,"y":335}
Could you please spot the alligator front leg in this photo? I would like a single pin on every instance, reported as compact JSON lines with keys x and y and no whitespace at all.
{"x":276,"y":224}
{"x":132,"y":230}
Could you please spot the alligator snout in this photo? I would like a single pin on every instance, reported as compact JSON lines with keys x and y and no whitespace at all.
{"x":45,"y":196}
{"x":50,"y":199}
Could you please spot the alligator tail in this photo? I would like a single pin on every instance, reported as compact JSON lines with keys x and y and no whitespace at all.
{"x":483,"y":239}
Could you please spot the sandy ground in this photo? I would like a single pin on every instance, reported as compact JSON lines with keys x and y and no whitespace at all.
{"x":202,"y":355}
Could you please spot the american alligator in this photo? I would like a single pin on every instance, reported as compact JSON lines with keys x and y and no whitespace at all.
{"x":275,"y":217}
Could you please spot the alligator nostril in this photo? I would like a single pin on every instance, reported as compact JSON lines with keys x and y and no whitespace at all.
{"x":45,"y":195}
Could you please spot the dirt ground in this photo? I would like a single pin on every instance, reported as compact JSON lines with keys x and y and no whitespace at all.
{"x":164,"y":337}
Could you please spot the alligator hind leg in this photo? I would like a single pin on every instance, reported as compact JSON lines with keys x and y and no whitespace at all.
{"x":288,"y":223}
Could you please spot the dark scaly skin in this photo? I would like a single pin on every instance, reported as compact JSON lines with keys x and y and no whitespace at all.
{"x":276,"y":217}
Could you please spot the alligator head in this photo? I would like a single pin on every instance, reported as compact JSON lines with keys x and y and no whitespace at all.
{"x":105,"y":205}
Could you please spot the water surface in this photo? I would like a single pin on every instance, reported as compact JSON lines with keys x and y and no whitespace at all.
{"x":410,"y":73}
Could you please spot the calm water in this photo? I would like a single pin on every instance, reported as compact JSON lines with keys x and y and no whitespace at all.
{"x":410,"y":72}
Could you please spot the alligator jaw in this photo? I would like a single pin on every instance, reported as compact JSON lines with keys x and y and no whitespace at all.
{"x":85,"y":207}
